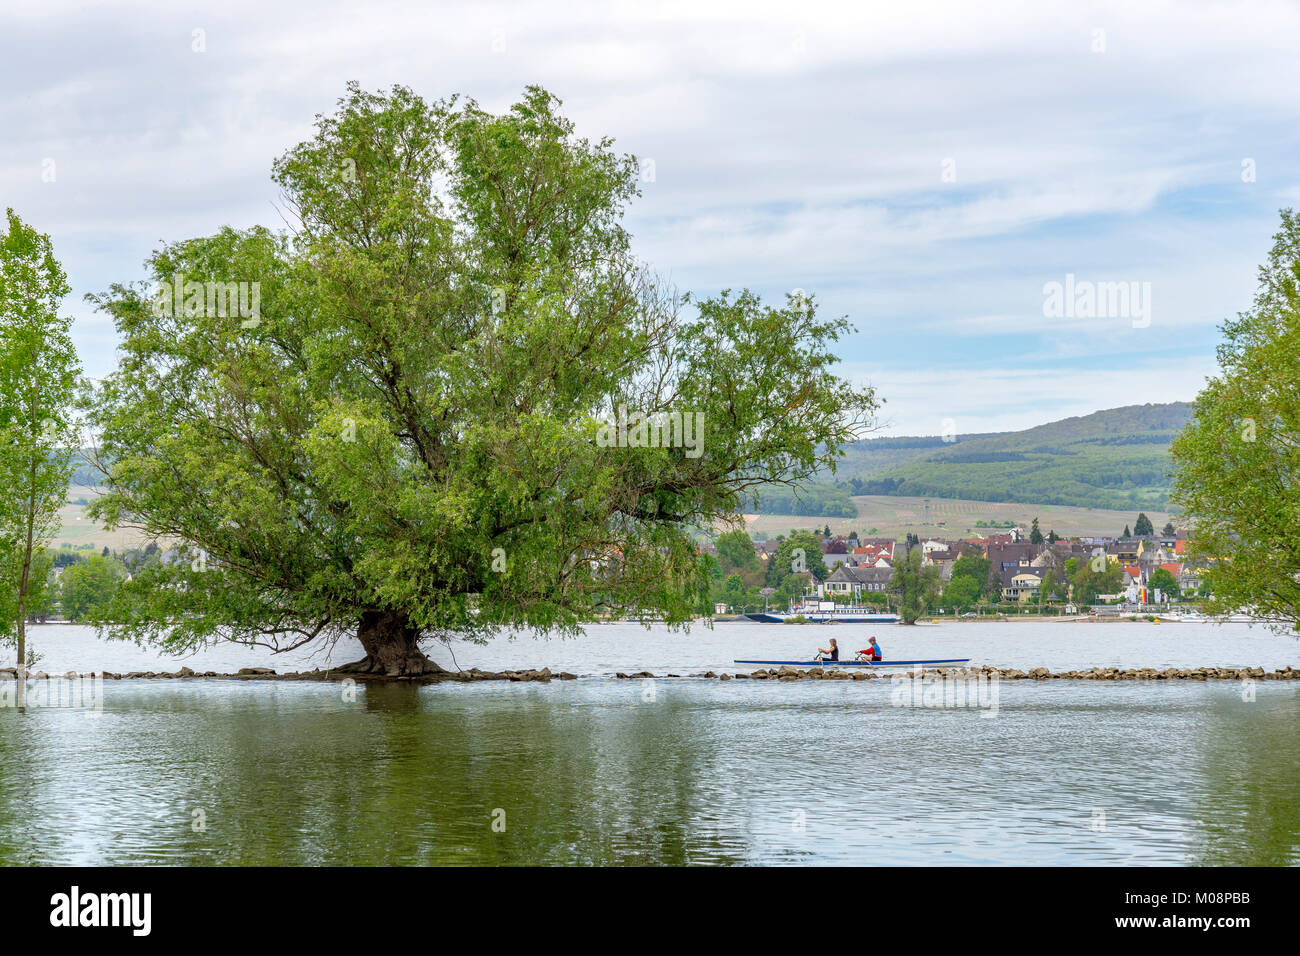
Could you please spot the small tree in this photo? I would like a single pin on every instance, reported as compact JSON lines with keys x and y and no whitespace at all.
{"x":736,"y":552}
{"x":86,"y":590}
{"x":961,"y":591}
{"x":38,"y":380}
{"x":1089,"y":582}
{"x":1143,"y":528}
{"x":1047,"y":587}
{"x":798,"y":554}
{"x":1035,"y":536}
{"x":916,"y":584}
{"x":1163,"y":580}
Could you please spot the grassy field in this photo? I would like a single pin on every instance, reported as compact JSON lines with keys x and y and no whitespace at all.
{"x":886,"y":514}
{"x":955,"y":518}
{"x":79,"y":530}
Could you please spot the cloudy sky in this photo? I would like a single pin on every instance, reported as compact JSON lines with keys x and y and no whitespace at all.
{"x":924,"y":168}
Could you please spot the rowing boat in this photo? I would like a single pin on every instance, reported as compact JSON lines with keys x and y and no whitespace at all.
{"x":948,"y":662}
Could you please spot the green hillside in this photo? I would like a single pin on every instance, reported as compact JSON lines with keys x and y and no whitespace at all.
{"x":873,"y":457}
{"x":1117,"y":458}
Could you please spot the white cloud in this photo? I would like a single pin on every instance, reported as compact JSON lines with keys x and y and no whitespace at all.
{"x":794,"y":146}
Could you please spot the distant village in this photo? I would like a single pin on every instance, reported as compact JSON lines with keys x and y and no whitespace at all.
{"x":1017,"y":566}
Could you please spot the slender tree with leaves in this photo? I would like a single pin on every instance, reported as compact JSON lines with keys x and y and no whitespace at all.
{"x":1237,"y":462}
{"x":917,"y":584}
{"x":462,"y":407}
{"x":38,"y":439}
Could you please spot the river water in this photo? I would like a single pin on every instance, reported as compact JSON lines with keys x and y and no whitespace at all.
{"x":601,"y":770}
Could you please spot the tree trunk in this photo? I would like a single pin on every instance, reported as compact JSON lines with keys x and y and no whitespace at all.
{"x":392,"y":648}
{"x":24,"y":583}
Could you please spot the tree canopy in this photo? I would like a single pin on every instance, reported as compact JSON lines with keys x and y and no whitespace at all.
{"x":736,"y":552}
{"x":461,"y":405}
{"x":38,"y":381}
{"x":1238,"y":459}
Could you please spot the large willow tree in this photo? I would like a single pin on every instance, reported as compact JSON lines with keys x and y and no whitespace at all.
{"x":404,"y":442}
{"x":1238,"y":460}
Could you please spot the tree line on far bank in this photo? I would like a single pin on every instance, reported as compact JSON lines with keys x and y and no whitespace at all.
{"x":78,"y":584}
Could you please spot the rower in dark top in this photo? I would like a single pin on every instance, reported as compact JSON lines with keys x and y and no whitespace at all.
{"x":831,"y":653}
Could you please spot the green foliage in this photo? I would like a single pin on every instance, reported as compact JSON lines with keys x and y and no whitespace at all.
{"x":917,"y":585}
{"x":810,"y":498}
{"x":961,"y":591}
{"x":976,"y":567}
{"x":734,"y":592}
{"x":1143,"y":528}
{"x":1088,"y":582}
{"x":41,"y":595}
{"x":873,"y":457}
{"x":38,"y":380}
{"x":1238,"y":458}
{"x":86,"y":590}
{"x":798,"y":554}
{"x":736,"y":552}
{"x":1165,"y":581}
{"x":1035,"y":536}
{"x":411,"y":428}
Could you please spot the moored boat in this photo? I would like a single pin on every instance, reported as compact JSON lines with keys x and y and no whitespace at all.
{"x":826,"y":612}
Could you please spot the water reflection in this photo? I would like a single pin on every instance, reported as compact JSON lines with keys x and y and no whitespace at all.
{"x":1251,"y":763}
{"x":702,"y":772}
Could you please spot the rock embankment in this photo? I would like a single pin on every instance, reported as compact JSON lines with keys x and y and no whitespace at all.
{"x":266,"y":673}
{"x":785,"y":673}
{"x":788,"y":673}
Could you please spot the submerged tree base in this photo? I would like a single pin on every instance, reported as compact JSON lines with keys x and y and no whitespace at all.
{"x":392,"y":648}
{"x":388,"y":665}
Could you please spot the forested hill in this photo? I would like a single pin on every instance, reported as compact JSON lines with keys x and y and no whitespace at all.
{"x":1117,"y":458}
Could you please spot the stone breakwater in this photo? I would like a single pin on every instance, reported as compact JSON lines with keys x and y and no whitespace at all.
{"x":786,"y":673}
{"x":266,"y":673}
{"x":789,"y":673}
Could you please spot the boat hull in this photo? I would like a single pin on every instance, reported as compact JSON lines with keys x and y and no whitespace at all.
{"x":946,"y":662}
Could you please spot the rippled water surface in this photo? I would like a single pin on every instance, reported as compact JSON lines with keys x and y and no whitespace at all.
{"x":677,"y":771}
{"x":608,"y":648}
